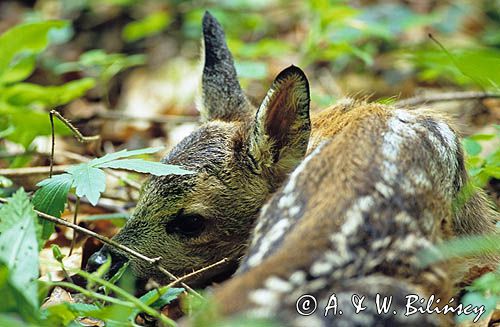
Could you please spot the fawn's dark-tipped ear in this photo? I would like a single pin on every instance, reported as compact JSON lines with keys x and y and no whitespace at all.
{"x":282,"y":124}
{"x":221,"y":94}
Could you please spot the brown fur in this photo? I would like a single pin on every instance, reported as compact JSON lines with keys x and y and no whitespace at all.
{"x":345,"y":170}
{"x":379,"y":186}
{"x":239,"y":155}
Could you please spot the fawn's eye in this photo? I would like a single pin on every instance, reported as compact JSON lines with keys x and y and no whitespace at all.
{"x":188,"y":225}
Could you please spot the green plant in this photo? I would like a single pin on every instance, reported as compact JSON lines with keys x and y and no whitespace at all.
{"x":88,"y":179}
{"x":22,"y":292}
{"x":480,"y":168}
{"x":23,"y":106}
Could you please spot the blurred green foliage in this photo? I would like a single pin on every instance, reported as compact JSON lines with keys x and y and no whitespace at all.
{"x":386,"y":40}
{"x":481,"y":167}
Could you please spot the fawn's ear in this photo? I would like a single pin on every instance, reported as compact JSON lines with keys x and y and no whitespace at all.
{"x":221,"y":94}
{"x":282,"y":124}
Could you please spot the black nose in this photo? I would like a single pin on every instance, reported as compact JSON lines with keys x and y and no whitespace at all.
{"x":97,"y":259}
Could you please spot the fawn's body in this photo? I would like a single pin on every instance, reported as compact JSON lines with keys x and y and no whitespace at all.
{"x":378,"y":186}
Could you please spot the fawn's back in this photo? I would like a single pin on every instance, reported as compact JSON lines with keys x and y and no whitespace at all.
{"x":379,"y":187}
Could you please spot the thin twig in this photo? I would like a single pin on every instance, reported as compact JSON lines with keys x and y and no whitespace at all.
{"x":94,"y":295}
{"x":128,"y":297}
{"x":153,"y":261}
{"x":75,"y":215}
{"x":13,"y":172}
{"x":79,"y":136}
{"x":448,"y":96}
{"x":196,"y":272}
{"x":453,"y":60}
{"x":164,"y":119}
{"x":52,"y":142}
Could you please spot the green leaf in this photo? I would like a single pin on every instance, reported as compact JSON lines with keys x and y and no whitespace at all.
{"x":27,"y":124}
{"x":19,"y":246}
{"x":114,"y":315}
{"x":149,"y":167}
{"x":20,"y":71}
{"x":482,"y":137}
{"x":14,"y":304}
{"x":50,"y":198}
{"x":487,"y":283}
{"x":461,"y":247}
{"x":477,"y":299}
{"x":5,"y":182}
{"x":158,"y":298}
{"x":27,"y":94}
{"x":148,"y":26}
{"x":494,"y":158}
{"x":63,"y":314}
{"x":56,"y":253}
{"x":88,"y":181}
{"x":101,"y":65}
{"x":18,"y":206}
{"x":6,"y":320}
{"x":119,"y":273}
{"x":471,"y":146}
{"x":492,"y":171}
{"x":25,"y":39}
{"x":123,"y":154}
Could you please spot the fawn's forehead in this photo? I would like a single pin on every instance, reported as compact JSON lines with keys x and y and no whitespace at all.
{"x":209,"y":145}
{"x":207,"y":151}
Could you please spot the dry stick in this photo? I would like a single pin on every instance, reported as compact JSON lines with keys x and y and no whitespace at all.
{"x":449,"y":96}
{"x":104,"y":239}
{"x":75,"y":215}
{"x":13,"y":172}
{"x":79,"y":136}
{"x":196,"y":272}
{"x":164,"y":119}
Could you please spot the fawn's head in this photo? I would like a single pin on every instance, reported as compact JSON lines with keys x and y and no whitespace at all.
{"x":239,"y":155}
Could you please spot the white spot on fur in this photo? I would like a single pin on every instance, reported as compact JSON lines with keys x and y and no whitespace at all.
{"x":384,"y":189}
{"x":339,"y":242}
{"x":403,"y":218}
{"x":274,"y":234}
{"x":298,"y":277}
{"x":320,"y":268}
{"x":447,"y":134}
{"x":381,"y":243}
{"x":404,"y":115}
{"x":286,"y":201}
{"x":408,"y":243}
{"x":398,"y":131}
{"x":264,"y":297}
{"x":277,"y":284}
{"x":290,"y":186}
{"x":389,"y":172}
{"x":294,"y":211}
{"x":419,"y":178}
{"x":354,"y":216}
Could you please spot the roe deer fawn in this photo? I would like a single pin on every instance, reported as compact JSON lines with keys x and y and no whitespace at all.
{"x":378,"y":186}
